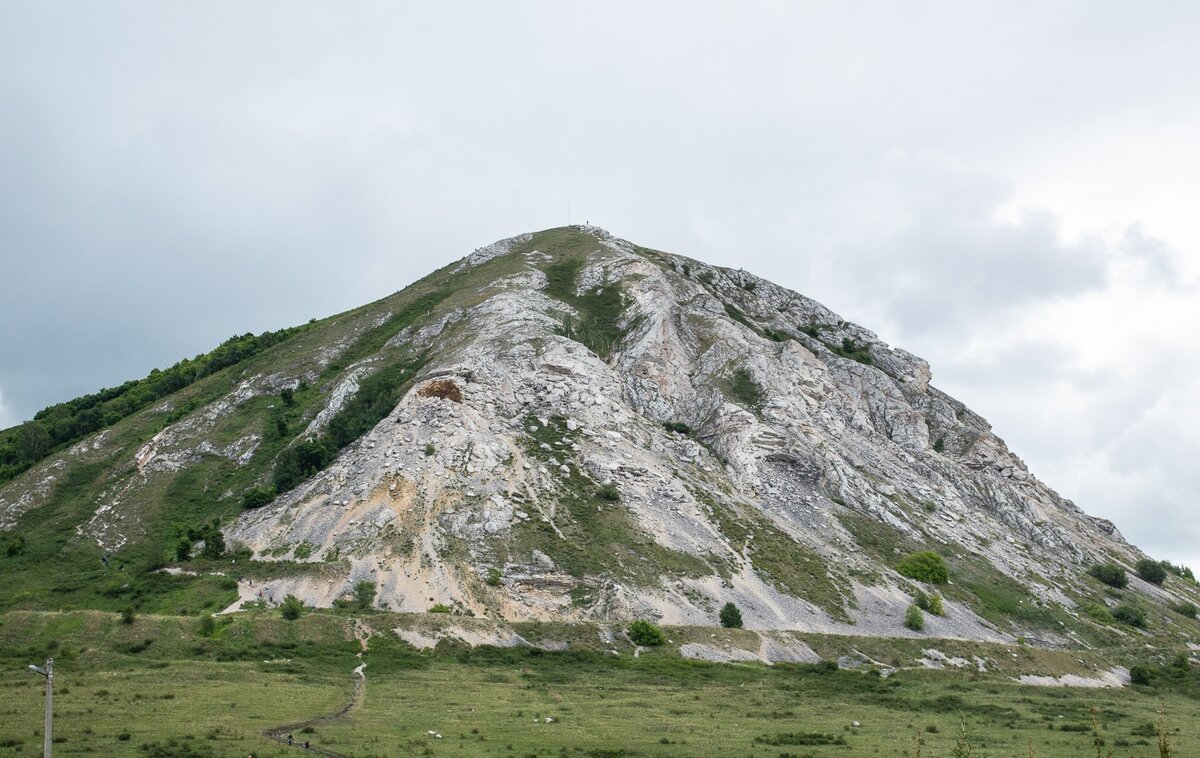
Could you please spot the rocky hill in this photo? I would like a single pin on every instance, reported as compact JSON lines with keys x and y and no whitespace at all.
{"x":565,"y":425}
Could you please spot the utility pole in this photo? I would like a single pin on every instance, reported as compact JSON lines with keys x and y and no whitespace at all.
{"x":47,"y":672}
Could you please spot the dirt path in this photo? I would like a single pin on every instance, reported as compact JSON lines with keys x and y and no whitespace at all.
{"x":362,"y":633}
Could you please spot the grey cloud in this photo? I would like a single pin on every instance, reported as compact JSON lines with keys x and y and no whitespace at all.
{"x":950,"y":263}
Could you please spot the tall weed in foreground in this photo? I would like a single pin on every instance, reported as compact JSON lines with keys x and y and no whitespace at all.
{"x":962,"y":744}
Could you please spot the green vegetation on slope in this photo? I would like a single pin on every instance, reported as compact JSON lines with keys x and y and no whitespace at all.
{"x":599,"y":537}
{"x":787,"y":564}
{"x":58,"y":426}
{"x":600,"y":309}
{"x":377,"y":395}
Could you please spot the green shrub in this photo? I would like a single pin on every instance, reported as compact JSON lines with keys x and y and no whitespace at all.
{"x":1110,"y":574}
{"x":303,"y":550}
{"x":493,"y":577}
{"x":429,"y":449}
{"x":914,"y":619}
{"x":745,"y":390}
{"x":853,"y":351}
{"x":256,"y":497}
{"x":1184,"y":609}
{"x":921,"y":600}
{"x":206,"y":625}
{"x":1098,"y":612}
{"x":127,"y":615}
{"x":183,"y":549}
{"x":608,"y":491}
{"x":1151,"y":571}
{"x":1128,"y":613}
{"x":678,"y":427}
{"x":936,"y":607}
{"x":291,"y":608}
{"x":730,"y":616}
{"x":645,"y":634}
{"x":800,"y":738}
{"x":924,"y":566}
{"x":14,"y":545}
{"x":1141,"y":675}
{"x":210,"y":535}
{"x":440,"y":608}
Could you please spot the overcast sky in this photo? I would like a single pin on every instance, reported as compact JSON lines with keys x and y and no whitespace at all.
{"x":1010,"y":192}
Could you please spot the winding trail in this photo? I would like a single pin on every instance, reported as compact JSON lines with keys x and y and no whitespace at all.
{"x":362,"y":633}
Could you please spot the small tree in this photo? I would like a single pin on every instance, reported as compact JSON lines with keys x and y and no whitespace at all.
{"x":206,"y":625}
{"x":127,"y":615}
{"x":1151,"y":571}
{"x":1141,"y":675}
{"x":935,"y":605}
{"x":291,"y":607}
{"x":183,"y":549}
{"x":730,"y":616}
{"x":214,"y":541}
{"x":364,"y":595}
{"x":493,"y":577}
{"x":925,"y":566}
{"x":645,"y":634}
{"x":1110,"y":574}
{"x":921,"y":600}
{"x":914,"y":619}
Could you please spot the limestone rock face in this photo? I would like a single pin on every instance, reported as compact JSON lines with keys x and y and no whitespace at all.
{"x":600,"y":431}
{"x":746,"y":430}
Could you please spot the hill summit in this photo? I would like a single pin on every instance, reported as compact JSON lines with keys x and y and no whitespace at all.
{"x":563,"y":426}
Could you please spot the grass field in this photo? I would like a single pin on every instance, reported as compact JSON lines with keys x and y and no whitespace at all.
{"x":157,"y":687}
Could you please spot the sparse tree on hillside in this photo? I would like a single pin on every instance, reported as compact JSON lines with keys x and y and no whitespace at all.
{"x":1151,"y":571}
{"x":731,"y":616}
{"x":291,"y":607}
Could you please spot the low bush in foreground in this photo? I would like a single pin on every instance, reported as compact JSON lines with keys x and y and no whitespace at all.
{"x":291,"y":608}
{"x":645,"y":634}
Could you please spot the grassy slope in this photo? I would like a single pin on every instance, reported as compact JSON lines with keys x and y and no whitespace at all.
{"x":187,"y":695}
